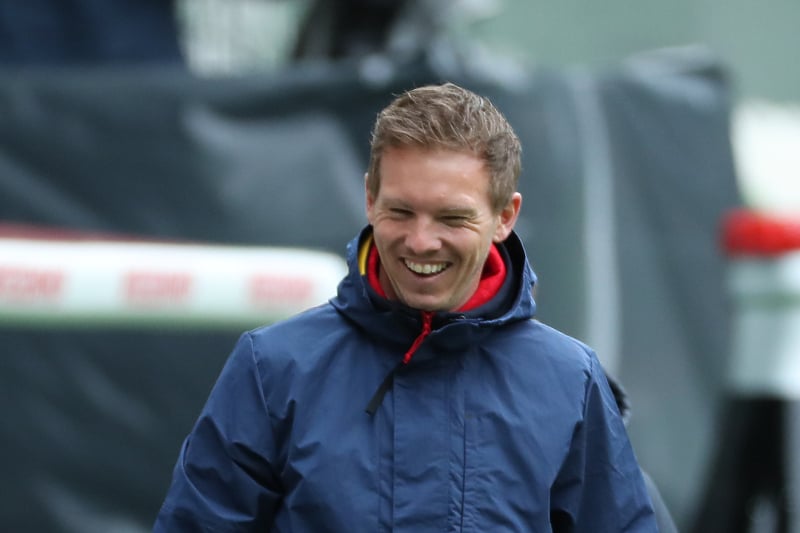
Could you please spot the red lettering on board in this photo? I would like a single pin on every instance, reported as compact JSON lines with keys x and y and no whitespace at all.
{"x":27,"y":285}
{"x":144,"y":288}
{"x":270,"y":289}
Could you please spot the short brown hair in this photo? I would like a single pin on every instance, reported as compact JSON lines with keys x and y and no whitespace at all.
{"x":449,"y":117}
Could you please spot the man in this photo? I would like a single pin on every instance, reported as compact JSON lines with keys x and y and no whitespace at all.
{"x":423,"y":397}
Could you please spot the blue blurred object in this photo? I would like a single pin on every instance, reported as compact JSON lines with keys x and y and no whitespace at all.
{"x":87,"y":32}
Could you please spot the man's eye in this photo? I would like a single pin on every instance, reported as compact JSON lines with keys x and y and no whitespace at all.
{"x":454,"y":220}
{"x":402,"y":213}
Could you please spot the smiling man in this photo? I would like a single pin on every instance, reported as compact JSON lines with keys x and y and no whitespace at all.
{"x":434,"y":224}
{"x":424,"y":397}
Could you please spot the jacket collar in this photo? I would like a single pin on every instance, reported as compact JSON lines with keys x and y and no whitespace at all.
{"x":394,"y":323}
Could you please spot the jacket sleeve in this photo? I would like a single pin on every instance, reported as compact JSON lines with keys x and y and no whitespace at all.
{"x":224,"y":479}
{"x":600,"y":486}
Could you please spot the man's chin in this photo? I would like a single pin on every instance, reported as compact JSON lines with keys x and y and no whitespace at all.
{"x":425,"y":303}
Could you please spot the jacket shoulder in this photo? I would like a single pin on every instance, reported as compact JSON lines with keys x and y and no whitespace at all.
{"x":552,"y":345}
{"x":297,"y":344}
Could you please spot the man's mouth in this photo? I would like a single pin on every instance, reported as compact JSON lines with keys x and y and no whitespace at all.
{"x":426,"y":269}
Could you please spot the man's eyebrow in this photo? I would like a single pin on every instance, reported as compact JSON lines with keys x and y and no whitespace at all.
{"x":458,"y":211}
{"x":451,"y":211}
{"x":396,"y":203}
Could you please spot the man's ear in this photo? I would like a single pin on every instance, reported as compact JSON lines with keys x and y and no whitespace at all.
{"x":508,"y":217}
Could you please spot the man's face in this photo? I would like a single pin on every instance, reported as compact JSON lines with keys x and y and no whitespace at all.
{"x":433,"y":225}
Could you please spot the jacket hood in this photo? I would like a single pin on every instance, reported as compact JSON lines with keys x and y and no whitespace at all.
{"x":394,"y":322}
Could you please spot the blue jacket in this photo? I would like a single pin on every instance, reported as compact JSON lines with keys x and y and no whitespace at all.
{"x":498,"y":423}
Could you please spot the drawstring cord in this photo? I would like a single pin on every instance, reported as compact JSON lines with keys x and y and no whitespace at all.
{"x":427,"y":318}
{"x":377,"y":398}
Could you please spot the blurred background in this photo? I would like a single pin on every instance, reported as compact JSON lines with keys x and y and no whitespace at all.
{"x":243,"y":125}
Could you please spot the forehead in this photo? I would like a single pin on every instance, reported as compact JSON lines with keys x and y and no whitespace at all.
{"x":432,"y":166}
{"x":435,"y":179}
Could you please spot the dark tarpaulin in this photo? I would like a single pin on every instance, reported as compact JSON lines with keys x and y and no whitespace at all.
{"x":673,"y":178}
{"x":625,"y":175}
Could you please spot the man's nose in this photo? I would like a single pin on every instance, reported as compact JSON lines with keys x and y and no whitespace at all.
{"x":423,"y":237}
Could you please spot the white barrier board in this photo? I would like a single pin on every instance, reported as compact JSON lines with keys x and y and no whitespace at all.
{"x":110,"y":282}
{"x":766,"y":326}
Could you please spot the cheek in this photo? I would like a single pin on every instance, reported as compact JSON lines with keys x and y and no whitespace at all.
{"x":474,"y":249}
{"x":386,"y":233}
{"x":383,"y":226}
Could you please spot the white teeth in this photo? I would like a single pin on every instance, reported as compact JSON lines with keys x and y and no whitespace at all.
{"x":426,"y":268}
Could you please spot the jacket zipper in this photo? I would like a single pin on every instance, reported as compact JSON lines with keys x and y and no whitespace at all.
{"x":377,"y":398}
